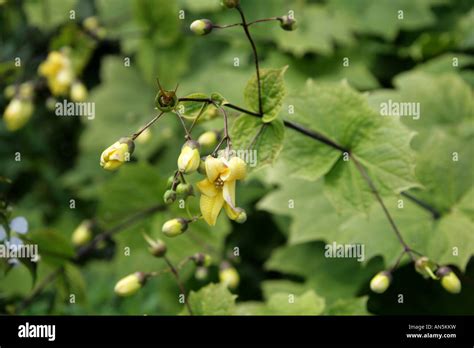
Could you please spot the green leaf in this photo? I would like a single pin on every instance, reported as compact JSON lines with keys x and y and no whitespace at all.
{"x":381,"y":145}
{"x":273,"y":91}
{"x":288,"y":304}
{"x":355,"y":306}
{"x":266,"y":139}
{"x":382,"y":17}
{"x":46,"y":14}
{"x":319,"y":30}
{"x":74,"y":283}
{"x":331,"y":278}
{"x":192,"y":108}
{"x":53,"y":247}
{"x":213,"y":299}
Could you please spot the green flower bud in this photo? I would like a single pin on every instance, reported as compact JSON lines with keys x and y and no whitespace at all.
{"x":425,"y":267}
{"x":9,"y":91}
{"x":287,"y":23}
{"x":230,"y":3}
{"x":201,"y":26}
{"x":202,"y":167}
{"x":229,"y":276}
{"x":130,"y":284}
{"x":449,"y":280}
{"x":170,"y":181}
{"x":174,"y":227}
{"x":169,"y":197}
{"x":241,"y":215}
{"x":157,"y":247}
{"x":208,"y":139}
{"x":201,"y":259}
{"x":201,"y":273}
{"x":380,"y":282}
{"x":82,"y":234}
{"x":185,"y":190}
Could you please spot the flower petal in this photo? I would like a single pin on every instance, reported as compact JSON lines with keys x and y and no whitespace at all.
{"x":228,"y":192}
{"x":211,"y":207}
{"x":231,"y":212}
{"x":207,"y":188}
{"x":214,"y":168}
{"x":237,"y":170}
{"x":19,"y":225}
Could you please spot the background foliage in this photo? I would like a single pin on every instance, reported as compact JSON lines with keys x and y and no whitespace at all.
{"x":281,"y":249}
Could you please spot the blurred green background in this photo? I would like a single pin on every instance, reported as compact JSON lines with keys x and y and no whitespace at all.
{"x":60,"y":156}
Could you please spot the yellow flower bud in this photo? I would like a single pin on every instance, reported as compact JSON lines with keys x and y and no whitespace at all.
{"x":118,"y":153}
{"x":189,"y":158}
{"x":201,"y":26}
{"x":208,"y":139}
{"x":449,"y":280}
{"x":82,"y":234}
{"x":229,"y":277}
{"x":174,"y":227}
{"x":144,"y":137}
{"x":78,"y":92}
{"x":17,"y":113}
{"x":130,"y":284}
{"x":91,"y":23}
{"x":380,"y":282}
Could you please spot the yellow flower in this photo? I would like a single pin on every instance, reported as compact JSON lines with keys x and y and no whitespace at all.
{"x":380,"y":282}
{"x":17,"y":113}
{"x":189,"y":158}
{"x":218,"y":189}
{"x":115,"y":155}
{"x":57,"y":69}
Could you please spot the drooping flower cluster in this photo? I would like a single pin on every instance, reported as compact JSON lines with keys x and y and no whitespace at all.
{"x":60,"y":76}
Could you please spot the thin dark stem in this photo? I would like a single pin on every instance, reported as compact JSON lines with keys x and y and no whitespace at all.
{"x":255,"y":56}
{"x":377,"y":196}
{"x":180,"y":284}
{"x":256,"y":136}
{"x":436,"y":214}
{"x":225,"y":26}
{"x":187,"y":135}
{"x":397,"y":262}
{"x":39,"y":289}
{"x":153,"y":120}
{"x":84,"y":251}
{"x":245,"y":111}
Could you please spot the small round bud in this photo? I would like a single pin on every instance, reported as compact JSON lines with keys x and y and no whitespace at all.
{"x":158,"y":249}
{"x":91,"y":23}
{"x":174,"y":227}
{"x":170,"y":181}
{"x":201,"y":26}
{"x":287,"y":23}
{"x":169,"y":197}
{"x":241,"y":215}
{"x":184,"y":190}
{"x":380,"y":282}
{"x":130,"y":284}
{"x":9,"y":91}
{"x":230,"y":3}
{"x":229,"y":276}
{"x":82,"y":234}
{"x":144,"y":136}
{"x":78,"y":92}
{"x":26,"y":90}
{"x":201,"y":259}
{"x":17,"y":113}
{"x":201,"y":273}
{"x":189,"y":158}
{"x":202,"y":167}
{"x":208,"y":139}
{"x":449,"y":280}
